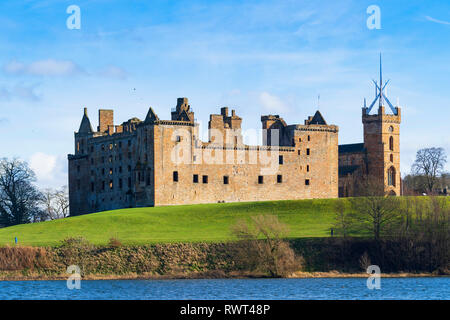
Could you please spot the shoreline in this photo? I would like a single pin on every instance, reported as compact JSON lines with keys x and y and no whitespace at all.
{"x":12,"y":276}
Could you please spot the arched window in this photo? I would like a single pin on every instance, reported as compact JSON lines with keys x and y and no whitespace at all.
{"x":391,"y":143}
{"x":391,"y":176}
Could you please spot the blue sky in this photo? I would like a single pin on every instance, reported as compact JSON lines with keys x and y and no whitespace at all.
{"x":257,"y":57}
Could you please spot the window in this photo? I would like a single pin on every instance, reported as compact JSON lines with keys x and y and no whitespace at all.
{"x":110,"y":184}
{"x":129,"y":168}
{"x":225,"y":179}
{"x":103,"y":171}
{"x":110,"y":159}
{"x":129,"y":142}
{"x":78,"y":168}
{"x":92,"y":148}
{"x":195,"y":178}
{"x":309,"y":138}
{"x":78,"y":184}
{"x":307,"y":168}
{"x":103,"y":159}
{"x":103,"y":147}
{"x":110,"y":146}
{"x":110,"y":171}
{"x":205,"y":179}
{"x":391,"y":176}
{"x":120,"y":184}
{"x":391,"y":143}
{"x":260,"y":179}
{"x":120,"y":144}
{"x":129,"y":182}
{"x":103,"y":185}
{"x":279,"y":178}
{"x":306,"y":182}
{"x":308,"y":152}
{"x":120,"y":169}
{"x":391,"y":158}
{"x":175,"y":176}
{"x":299,"y":153}
{"x":280,"y":159}
{"x":178,"y":139}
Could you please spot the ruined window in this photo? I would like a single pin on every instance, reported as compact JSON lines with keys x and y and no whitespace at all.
{"x":299,"y":139}
{"x":120,"y":144}
{"x":280,"y":159}
{"x":308,"y":152}
{"x":309,"y":138}
{"x":110,"y":171}
{"x":110,"y":159}
{"x":78,"y":168}
{"x":306,"y":182}
{"x":391,"y":143}
{"x":391,"y":158}
{"x":175,"y":176}
{"x":110,"y":184}
{"x":110,"y":146}
{"x":225,"y":180}
{"x":195,"y":178}
{"x":178,"y":139}
{"x":279,"y":178}
{"x":120,"y":157}
{"x":307,"y":168}
{"x":103,"y":147}
{"x":260,"y":179}
{"x":299,"y":152}
{"x":205,"y":179}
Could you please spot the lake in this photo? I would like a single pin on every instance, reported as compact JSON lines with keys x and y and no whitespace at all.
{"x":231,"y":289}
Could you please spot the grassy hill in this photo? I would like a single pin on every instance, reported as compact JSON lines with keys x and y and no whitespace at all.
{"x":188,"y":223}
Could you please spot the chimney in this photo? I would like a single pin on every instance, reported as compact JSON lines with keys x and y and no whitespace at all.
{"x":105,"y":119}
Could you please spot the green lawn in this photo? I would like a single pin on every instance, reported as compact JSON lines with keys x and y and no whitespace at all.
{"x":188,"y":223}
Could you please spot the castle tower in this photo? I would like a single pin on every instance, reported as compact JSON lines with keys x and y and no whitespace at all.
{"x":382,"y":140}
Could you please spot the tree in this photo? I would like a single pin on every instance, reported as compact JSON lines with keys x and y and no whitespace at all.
{"x":55,"y":203}
{"x":262,"y":246}
{"x":344,"y":220}
{"x":429,"y":163}
{"x":375,"y":211}
{"x":19,"y":198}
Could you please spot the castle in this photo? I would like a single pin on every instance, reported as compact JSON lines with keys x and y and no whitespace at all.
{"x":164,"y":162}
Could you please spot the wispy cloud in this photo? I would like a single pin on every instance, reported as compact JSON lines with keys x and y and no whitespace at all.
{"x":272,"y":103}
{"x":113,"y":72}
{"x":437,"y":21}
{"x":49,"y":67}
{"x":20,"y":91}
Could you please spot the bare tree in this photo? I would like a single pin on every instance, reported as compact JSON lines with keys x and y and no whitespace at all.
{"x":430,"y":163}
{"x":344,"y":219}
{"x":263,"y":246}
{"x":55,"y":203}
{"x":375,"y":211}
{"x":19,"y":198}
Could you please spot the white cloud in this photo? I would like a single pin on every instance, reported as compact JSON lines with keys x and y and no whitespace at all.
{"x":50,"y":170}
{"x":437,"y":21}
{"x":49,"y":67}
{"x":25,"y":92}
{"x":113,"y":72}
{"x":272,"y":103}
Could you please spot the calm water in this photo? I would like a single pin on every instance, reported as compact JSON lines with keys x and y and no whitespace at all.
{"x":327,"y":288}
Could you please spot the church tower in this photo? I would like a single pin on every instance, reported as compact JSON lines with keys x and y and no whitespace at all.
{"x":382,"y":140}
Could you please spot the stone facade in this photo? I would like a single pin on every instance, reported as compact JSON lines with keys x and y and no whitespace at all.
{"x":378,"y":157}
{"x":163,"y":162}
